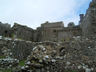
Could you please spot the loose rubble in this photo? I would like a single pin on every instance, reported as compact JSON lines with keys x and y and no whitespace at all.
{"x":62,"y":57}
{"x":78,"y":54}
{"x":8,"y":62}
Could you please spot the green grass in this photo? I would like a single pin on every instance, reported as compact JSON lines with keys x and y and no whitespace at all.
{"x":6,"y":70}
{"x":74,"y":71}
{"x":70,"y":71}
{"x":22,"y":63}
{"x":2,"y":57}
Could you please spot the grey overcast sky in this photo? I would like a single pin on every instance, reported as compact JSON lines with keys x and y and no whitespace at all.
{"x":34,"y":12}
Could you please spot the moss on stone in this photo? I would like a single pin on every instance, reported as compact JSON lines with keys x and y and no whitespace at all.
{"x":22,"y":63}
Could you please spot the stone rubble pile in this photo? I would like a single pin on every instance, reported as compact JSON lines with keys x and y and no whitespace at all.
{"x":20,"y":49}
{"x":8,"y":62}
{"x":77,"y":55}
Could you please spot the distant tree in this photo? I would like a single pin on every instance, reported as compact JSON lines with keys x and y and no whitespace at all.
{"x":71,"y":24}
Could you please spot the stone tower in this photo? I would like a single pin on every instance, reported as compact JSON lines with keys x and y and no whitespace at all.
{"x":81,"y":18}
{"x":88,"y":24}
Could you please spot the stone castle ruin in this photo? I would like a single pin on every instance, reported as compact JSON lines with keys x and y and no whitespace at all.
{"x":54,"y":31}
{"x":52,"y":47}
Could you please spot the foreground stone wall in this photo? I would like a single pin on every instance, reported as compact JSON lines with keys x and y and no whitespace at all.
{"x":19,"y":49}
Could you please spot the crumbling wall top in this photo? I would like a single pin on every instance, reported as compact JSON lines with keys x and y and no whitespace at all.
{"x":52,"y":25}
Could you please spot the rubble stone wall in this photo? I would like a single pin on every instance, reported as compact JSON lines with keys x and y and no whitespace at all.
{"x":4,"y":28}
{"x":88,"y":24}
{"x":57,"y":31}
{"x":22,"y":32}
{"x":47,"y":32}
{"x":20,"y":49}
{"x":53,"y":25}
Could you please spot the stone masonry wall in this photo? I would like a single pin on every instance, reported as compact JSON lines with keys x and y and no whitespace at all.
{"x":4,"y":29}
{"x":88,"y":24}
{"x":19,"y":49}
{"x":22,"y":32}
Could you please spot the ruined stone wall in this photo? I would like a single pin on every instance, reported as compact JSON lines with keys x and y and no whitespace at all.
{"x":4,"y":29}
{"x":49,"y":31}
{"x":68,"y":33}
{"x":57,"y":31}
{"x":53,"y":25}
{"x":64,"y":36}
{"x":37,"y":37}
{"x":49,"y":35}
{"x":88,"y":24}
{"x":22,"y":32}
{"x":19,"y":49}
